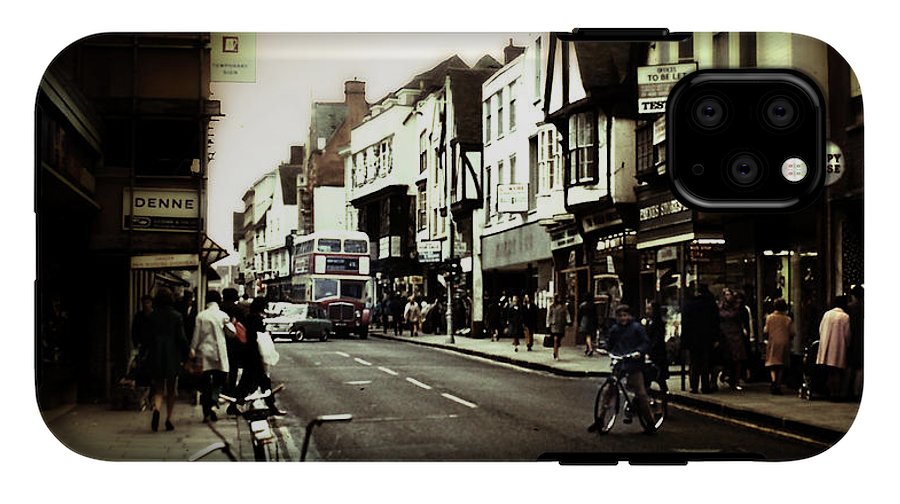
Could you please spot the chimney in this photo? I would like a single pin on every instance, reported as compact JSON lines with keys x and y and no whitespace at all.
{"x":297,"y":152}
{"x":511,"y":52}
{"x":355,"y":98}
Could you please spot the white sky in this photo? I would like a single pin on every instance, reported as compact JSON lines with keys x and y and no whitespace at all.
{"x":264,"y":119}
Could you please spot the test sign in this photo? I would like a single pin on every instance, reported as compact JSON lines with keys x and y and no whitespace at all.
{"x":655,"y":82}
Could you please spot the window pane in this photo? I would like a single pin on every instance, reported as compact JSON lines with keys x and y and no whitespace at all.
{"x":356,"y":246}
{"x":329,"y":245}
{"x":324,"y":287}
{"x":353,"y":288}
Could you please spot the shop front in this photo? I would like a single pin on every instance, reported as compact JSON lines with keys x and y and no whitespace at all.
{"x":519,"y":261}
{"x":678,"y":249}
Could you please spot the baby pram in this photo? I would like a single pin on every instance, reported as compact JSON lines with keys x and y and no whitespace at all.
{"x":813,"y":374}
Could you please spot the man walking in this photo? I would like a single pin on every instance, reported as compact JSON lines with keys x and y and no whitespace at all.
{"x":700,"y":335}
{"x":210,"y":346}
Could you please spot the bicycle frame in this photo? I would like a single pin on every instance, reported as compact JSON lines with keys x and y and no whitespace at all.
{"x":608,"y":402}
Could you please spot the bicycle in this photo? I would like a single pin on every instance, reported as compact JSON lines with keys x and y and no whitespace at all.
{"x":606,"y":412}
{"x":262,"y":438}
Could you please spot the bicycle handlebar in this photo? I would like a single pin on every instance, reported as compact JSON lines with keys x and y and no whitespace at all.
{"x":258,"y":394}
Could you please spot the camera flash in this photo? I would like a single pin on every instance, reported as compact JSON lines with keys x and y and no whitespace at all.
{"x":794,"y":169}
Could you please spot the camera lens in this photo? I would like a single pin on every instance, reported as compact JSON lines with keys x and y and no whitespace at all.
{"x":745,"y":170}
{"x":781,"y":112}
{"x":709,"y":112}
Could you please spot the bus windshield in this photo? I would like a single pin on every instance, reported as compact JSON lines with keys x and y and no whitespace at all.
{"x":355,"y":289}
{"x":324,"y":287}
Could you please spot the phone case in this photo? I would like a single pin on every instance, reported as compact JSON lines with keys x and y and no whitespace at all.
{"x":429,"y":249}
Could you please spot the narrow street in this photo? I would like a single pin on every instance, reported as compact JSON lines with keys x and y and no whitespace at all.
{"x":411,"y":403}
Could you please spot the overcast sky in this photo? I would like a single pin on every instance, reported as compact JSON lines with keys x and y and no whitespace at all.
{"x":264,"y":119}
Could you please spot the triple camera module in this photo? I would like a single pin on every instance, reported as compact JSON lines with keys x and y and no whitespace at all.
{"x":746,"y":140}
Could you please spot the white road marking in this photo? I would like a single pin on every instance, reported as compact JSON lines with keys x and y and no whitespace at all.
{"x":343,"y":354}
{"x":460,"y":401}
{"x":363,"y":362}
{"x":359,"y":382}
{"x":418,"y":383}
{"x":388,"y":371}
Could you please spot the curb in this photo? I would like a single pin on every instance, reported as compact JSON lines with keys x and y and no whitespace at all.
{"x":816,"y":433}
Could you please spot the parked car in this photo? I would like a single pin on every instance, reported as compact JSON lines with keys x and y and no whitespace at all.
{"x":299,"y":322}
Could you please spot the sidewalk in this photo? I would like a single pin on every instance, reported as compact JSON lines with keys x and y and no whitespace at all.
{"x":819,"y":420}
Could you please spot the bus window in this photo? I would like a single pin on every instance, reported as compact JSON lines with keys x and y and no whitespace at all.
{"x":356,"y":246}
{"x":329,"y":245}
{"x":324,"y":287}
{"x":355,"y":289}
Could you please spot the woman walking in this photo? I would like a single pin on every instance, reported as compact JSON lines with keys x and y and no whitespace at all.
{"x":413,"y":316}
{"x":656,"y":330}
{"x":779,"y":331}
{"x":733,"y":337}
{"x":556,"y":321}
{"x":168,"y":349}
{"x":515,"y":321}
{"x":587,"y":324}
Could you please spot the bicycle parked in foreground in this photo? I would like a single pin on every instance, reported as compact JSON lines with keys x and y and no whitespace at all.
{"x":613,"y":392}
{"x":256,"y":412}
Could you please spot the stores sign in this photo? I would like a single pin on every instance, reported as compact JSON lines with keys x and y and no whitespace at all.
{"x":661,"y":210}
{"x":161,"y":210}
{"x":655,"y":82}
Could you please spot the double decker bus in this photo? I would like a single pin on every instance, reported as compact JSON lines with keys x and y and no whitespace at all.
{"x":332,"y":269}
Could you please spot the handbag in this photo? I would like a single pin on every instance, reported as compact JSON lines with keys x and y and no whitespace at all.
{"x":548,"y":341}
{"x":193,"y":367}
{"x":267,"y":350}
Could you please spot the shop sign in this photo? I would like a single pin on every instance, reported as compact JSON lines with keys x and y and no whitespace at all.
{"x":388,"y":246}
{"x":429,"y":251}
{"x":165,"y":261}
{"x":669,"y":253}
{"x":565,"y":238}
{"x":659,"y":130}
{"x":233,"y":57}
{"x":161,"y":209}
{"x":835,"y":164}
{"x":600,"y":220}
{"x":655,"y":82}
{"x":702,"y":252}
{"x":663,"y":209}
{"x":512,"y":198}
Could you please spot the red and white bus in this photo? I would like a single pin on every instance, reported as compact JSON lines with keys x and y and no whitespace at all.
{"x":332,"y":268}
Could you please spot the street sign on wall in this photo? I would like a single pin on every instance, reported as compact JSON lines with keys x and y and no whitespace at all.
{"x":429,"y":251}
{"x":655,"y":82}
{"x":512,"y":198}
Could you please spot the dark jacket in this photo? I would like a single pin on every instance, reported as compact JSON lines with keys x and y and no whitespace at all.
{"x":529,"y":316}
{"x":169,"y":347}
{"x":514,"y":319}
{"x":656,"y":331}
{"x":587,"y":323}
{"x":700,"y":323}
{"x":626,"y":339}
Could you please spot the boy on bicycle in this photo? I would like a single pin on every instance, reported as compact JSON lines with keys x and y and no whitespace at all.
{"x":628,"y":338}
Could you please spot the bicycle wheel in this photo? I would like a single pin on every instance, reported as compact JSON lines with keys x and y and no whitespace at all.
{"x":262,"y":452}
{"x":659,"y":406}
{"x":606,"y":406}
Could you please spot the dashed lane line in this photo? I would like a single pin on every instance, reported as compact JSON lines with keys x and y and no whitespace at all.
{"x":343,"y":354}
{"x":388,"y":371}
{"x":363,"y":362}
{"x":460,"y":401}
{"x":418,"y":383}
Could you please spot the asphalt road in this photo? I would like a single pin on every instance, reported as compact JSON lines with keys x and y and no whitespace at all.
{"x":413,"y":403}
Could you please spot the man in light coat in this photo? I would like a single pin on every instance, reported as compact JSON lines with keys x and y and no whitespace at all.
{"x":208,"y":344}
{"x":834,"y":341}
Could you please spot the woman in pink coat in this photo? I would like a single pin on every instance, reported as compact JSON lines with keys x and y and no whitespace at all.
{"x":779,"y":331}
{"x":834,"y":340}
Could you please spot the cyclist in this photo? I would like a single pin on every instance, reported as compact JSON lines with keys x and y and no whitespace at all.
{"x":628,"y":338}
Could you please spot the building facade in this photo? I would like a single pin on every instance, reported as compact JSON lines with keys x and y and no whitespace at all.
{"x":123,"y":137}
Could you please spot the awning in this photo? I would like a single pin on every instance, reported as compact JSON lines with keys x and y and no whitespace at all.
{"x":211,"y":252}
